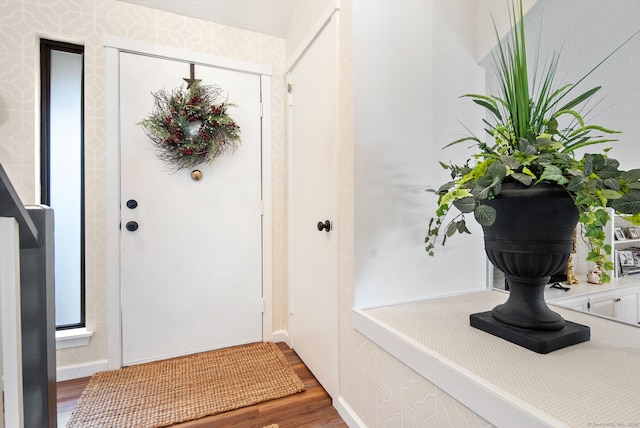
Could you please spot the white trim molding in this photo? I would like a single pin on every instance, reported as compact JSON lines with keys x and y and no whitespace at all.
{"x":348,"y":415}
{"x":279,"y":336}
{"x":73,"y":338}
{"x":81,"y":370}
{"x":314,"y":30}
{"x":267,"y":209}
{"x":159,"y":51}
{"x":114,"y":338}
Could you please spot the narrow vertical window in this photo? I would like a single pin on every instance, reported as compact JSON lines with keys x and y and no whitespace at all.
{"x":62,"y":172}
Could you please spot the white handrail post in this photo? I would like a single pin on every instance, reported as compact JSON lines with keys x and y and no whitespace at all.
{"x":10,"y":324}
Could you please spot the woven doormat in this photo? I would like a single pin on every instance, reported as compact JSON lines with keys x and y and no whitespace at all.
{"x":167,"y":392}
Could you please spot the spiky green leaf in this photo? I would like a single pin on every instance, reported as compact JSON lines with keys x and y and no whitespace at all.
{"x":487,"y":103}
{"x":460,"y":140}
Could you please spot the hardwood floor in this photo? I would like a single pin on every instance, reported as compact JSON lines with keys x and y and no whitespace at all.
{"x":311,"y":408}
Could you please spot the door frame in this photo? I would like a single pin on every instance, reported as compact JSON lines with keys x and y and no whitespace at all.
{"x":113,"y":47}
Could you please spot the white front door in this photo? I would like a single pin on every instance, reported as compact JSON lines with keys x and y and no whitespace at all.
{"x":313,"y":253}
{"x":191,"y":274}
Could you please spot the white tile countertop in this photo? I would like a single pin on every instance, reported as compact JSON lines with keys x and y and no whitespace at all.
{"x":596,"y":383}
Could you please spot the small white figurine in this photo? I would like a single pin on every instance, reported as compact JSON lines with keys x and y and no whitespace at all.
{"x":593,"y":276}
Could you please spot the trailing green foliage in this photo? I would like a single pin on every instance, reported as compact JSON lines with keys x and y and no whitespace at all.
{"x":530,"y":146}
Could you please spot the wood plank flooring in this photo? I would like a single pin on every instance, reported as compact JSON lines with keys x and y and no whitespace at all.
{"x":311,"y":408}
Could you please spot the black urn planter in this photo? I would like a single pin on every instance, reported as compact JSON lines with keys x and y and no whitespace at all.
{"x":530,"y":240}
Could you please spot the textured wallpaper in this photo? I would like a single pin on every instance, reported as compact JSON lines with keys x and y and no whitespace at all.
{"x":22,"y":23}
{"x":305,"y":14}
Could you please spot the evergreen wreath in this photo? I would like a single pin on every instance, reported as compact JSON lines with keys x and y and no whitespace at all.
{"x":191,"y":126}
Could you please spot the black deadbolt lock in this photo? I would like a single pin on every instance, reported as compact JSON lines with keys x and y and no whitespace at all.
{"x":132,"y":203}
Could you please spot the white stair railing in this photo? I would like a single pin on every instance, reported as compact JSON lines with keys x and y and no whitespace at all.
{"x":10,"y":324}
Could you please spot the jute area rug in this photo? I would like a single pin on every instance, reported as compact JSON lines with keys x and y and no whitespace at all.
{"x":164,"y":393}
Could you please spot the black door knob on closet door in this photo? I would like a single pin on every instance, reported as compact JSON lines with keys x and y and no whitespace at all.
{"x":326,"y":226}
{"x":132,"y":226}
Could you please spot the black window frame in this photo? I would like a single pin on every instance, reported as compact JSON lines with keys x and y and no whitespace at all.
{"x":46,"y":47}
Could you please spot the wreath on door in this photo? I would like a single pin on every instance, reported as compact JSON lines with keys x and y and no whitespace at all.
{"x":191,"y":126}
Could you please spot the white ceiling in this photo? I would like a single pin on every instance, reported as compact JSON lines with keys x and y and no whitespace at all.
{"x":263,"y":16}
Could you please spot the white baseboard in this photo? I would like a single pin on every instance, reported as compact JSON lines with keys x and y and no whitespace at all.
{"x":81,"y":370}
{"x":280,"y":336}
{"x":347,"y":414}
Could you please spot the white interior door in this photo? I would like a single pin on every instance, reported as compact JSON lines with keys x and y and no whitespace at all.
{"x":313,"y":122}
{"x":191,"y":274}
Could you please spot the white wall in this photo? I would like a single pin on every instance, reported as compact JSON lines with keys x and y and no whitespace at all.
{"x":412,"y":59}
{"x":304,"y":17}
{"x":488,"y":12}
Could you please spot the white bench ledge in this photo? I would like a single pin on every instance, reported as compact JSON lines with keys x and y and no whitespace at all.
{"x":595,"y":382}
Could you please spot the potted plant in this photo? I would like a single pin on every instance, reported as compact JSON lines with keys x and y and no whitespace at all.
{"x":537,"y":131}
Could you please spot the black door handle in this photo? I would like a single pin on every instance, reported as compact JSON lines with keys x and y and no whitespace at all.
{"x":326,"y":225}
{"x":132,"y":226}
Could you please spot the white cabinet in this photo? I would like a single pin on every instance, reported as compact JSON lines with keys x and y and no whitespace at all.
{"x":625,"y":308}
{"x":621,"y":304}
{"x":576,"y":303}
{"x":601,"y":306}
{"x":582,"y":306}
